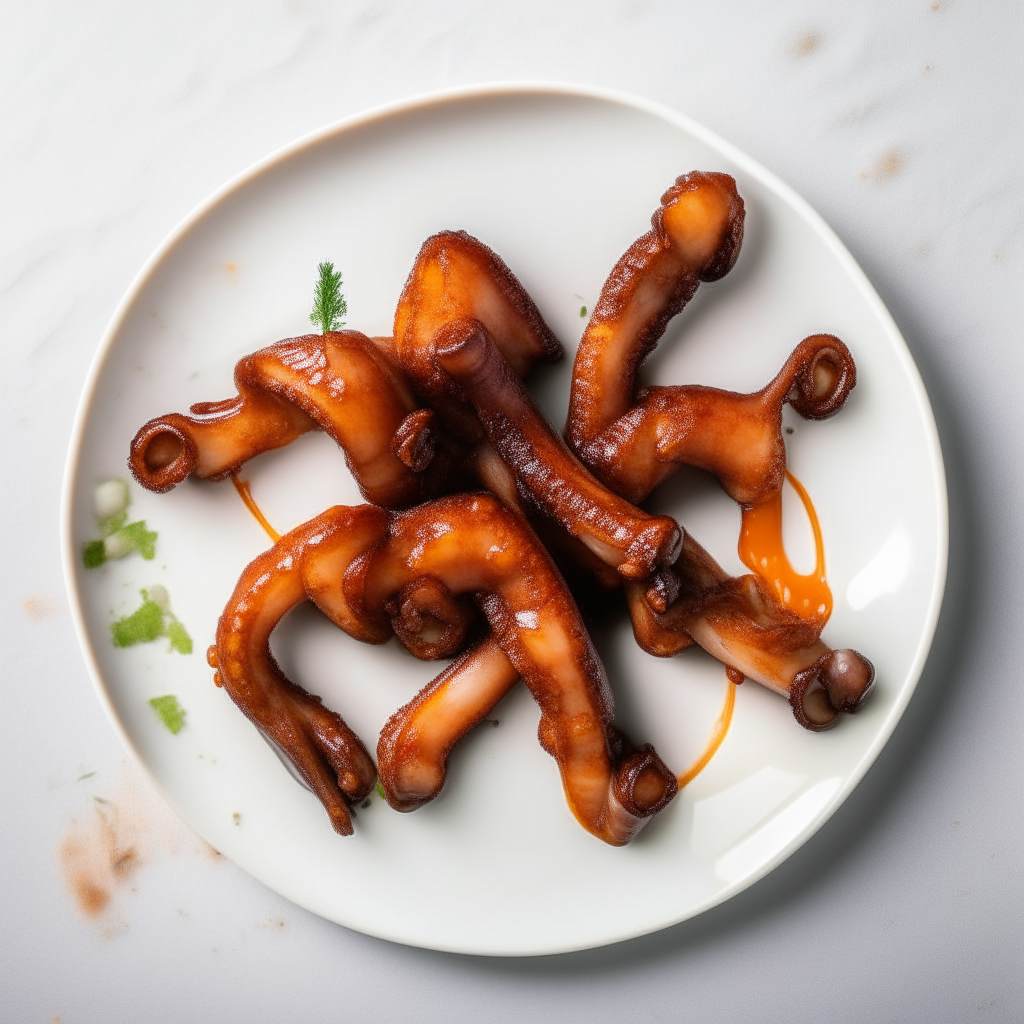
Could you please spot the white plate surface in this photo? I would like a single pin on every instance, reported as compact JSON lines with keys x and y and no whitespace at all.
{"x":558,"y":181}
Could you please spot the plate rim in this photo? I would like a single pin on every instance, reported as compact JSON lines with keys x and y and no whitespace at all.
{"x":522,"y":89}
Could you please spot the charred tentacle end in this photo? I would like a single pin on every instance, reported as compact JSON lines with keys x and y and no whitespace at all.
{"x":838,"y":682}
{"x":825,"y":378}
{"x":163,"y":453}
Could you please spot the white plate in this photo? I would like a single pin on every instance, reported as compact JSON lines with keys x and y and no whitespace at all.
{"x":559,"y":181}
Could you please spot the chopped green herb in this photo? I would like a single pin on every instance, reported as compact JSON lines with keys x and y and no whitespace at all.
{"x":236,"y":818}
{"x":145,"y":624}
{"x":113,"y":524}
{"x":110,"y":500}
{"x":329,"y":305}
{"x":100,"y":800}
{"x":380,"y":790}
{"x":141,"y":539}
{"x":110,"y":506}
{"x":151,"y":620}
{"x":93,"y":553}
{"x":169,"y":711}
{"x":365,"y":803}
{"x":178,"y":635}
{"x":87,"y":775}
{"x":583,"y":312}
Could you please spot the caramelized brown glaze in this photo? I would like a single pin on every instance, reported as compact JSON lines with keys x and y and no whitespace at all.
{"x":547,"y":473}
{"x":324,"y":750}
{"x":736,"y":437}
{"x":738,"y":621}
{"x":695,"y":236}
{"x":457,"y":277}
{"x":412,"y":755}
{"x":342,"y":383}
{"x":441,"y":406}
{"x":370,"y":572}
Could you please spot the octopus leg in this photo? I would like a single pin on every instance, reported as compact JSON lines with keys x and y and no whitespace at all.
{"x":341,"y":383}
{"x":412,"y":755}
{"x":324,"y":750}
{"x":633,"y":542}
{"x":696,"y":236}
{"x":474,"y":544}
{"x":736,"y":620}
{"x":455,"y":276}
{"x":737,"y":438}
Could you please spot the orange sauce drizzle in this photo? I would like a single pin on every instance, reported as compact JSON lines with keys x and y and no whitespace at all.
{"x":245,"y":493}
{"x":718,"y":731}
{"x":762,"y":551}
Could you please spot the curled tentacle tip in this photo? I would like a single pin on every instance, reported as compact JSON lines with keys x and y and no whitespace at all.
{"x":662,"y":591}
{"x":825,"y":378}
{"x":849,"y":679}
{"x":415,"y":441}
{"x":838,"y":682}
{"x":643,"y":783}
{"x":428,"y":620}
{"x":703,"y":216}
{"x":462,"y":346}
{"x":162,"y":454}
{"x":659,"y":544}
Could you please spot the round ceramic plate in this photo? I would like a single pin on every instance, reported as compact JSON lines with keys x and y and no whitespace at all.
{"x":559,"y":181}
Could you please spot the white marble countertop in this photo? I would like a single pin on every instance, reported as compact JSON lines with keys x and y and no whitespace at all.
{"x":899,"y":121}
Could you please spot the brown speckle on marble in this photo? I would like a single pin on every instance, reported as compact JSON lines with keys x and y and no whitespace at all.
{"x":39,"y":607}
{"x":807,"y":44}
{"x":884,"y":168}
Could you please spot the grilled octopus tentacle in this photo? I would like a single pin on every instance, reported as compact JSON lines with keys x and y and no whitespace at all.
{"x":327,"y":754}
{"x":737,"y":621}
{"x":455,"y":276}
{"x":624,"y":537}
{"x":736,"y":437}
{"x":632,"y":441}
{"x":696,"y":236}
{"x":342,"y":383}
{"x":412,"y":755}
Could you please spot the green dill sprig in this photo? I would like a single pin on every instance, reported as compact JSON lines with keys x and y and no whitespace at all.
{"x":329,"y":305}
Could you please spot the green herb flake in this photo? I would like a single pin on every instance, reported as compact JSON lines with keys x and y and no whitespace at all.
{"x":93,"y":554}
{"x":87,"y":775}
{"x":169,"y":711}
{"x":365,"y":803}
{"x":380,"y":791}
{"x":583,"y":312}
{"x":140,"y":539}
{"x":145,"y":624}
{"x":113,"y":523}
{"x":329,"y":305}
{"x":178,"y":635}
